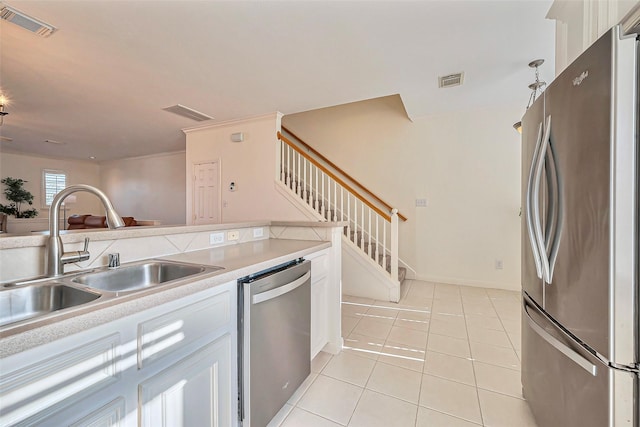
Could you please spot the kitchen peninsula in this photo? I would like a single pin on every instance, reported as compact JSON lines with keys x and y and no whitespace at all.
{"x":138,"y":358}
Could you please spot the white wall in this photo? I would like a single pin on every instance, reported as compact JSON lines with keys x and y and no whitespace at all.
{"x":30,"y":168}
{"x":250,"y":164}
{"x":149,"y":187}
{"x":467,"y":165}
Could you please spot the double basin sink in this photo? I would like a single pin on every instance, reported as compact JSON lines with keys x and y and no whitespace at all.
{"x":25,"y":302}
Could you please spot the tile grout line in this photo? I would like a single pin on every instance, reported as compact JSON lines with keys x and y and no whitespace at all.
{"x":426,"y":346}
{"x":505,"y":331}
{"x":473,"y":366}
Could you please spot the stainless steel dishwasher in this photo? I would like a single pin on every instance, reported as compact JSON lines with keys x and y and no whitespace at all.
{"x":274,"y":339}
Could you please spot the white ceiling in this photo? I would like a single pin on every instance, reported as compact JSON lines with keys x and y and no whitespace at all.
{"x":100,"y":82}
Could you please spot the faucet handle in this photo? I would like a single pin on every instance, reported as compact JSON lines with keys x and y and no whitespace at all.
{"x":114,"y":260}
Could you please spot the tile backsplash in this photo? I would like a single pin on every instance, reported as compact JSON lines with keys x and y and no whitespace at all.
{"x":19,"y":263}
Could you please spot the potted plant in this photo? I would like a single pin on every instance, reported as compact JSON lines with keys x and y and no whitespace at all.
{"x":17,"y":195}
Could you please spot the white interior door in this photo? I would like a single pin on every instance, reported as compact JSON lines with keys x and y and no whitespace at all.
{"x":206,"y":197}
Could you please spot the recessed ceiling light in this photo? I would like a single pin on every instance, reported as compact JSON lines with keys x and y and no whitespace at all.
{"x":23,"y":20}
{"x":190,"y":113}
{"x":51,"y":141}
{"x":92,"y":157}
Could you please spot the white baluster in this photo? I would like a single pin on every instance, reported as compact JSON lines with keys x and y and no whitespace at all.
{"x":335,"y":201}
{"x":327,"y":210}
{"x":362,"y":227}
{"x":377,"y":243}
{"x":355,"y":221}
{"x":299,"y":177}
{"x":369,"y":231}
{"x":311,"y":193}
{"x":384,"y":245}
{"x":316,"y":204}
{"x":322,"y":204}
{"x":341,"y":203}
{"x":281,"y":160}
{"x":349,"y":215}
{"x":304,"y":181}
{"x":394,"y":244}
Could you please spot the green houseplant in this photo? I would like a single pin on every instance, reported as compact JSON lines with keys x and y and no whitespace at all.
{"x":17,"y":195}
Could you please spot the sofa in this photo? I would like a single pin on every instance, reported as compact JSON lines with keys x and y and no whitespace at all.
{"x":79,"y":222}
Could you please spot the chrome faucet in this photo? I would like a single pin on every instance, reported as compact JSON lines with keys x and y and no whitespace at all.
{"x":55,"y":256}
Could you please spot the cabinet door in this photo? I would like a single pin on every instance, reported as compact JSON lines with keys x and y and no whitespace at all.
{"x":195,"y":391}
{"x":318,"y":316}
{"x":319,"y":301}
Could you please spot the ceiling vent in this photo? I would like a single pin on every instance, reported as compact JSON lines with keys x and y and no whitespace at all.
{"x":183,"y":111}
{"x":451,"y":80}
{"x":25,"y":21}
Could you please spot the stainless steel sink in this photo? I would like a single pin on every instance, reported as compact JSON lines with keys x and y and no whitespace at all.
{"x":140,"y":276}
{"x":26,"y":302}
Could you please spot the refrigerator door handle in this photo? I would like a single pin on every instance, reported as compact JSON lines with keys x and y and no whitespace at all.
{"x":558,"y":205}
{"x":537,"y":220}
{"x":556,"y":343}
{"x":528,"y":208}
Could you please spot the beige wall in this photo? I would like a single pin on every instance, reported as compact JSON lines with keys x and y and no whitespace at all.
{"x":250,"y":164}
{"x":30,"y":169}
{"x":467,"y":165}
{"x":149,"y":187}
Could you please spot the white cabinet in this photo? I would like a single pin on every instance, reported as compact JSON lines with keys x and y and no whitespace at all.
{"x":580,"y":23}
{"x":196,"y":391}
{"x":34,"y":388}
{"x":319,"y":300}
{"x":173,"y":365}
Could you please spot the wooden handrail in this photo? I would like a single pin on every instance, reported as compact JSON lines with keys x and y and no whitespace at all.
{"x":333,"y":165}
{"x":335,"y":178}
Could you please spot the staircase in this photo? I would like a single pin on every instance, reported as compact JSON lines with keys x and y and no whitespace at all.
{"x":370,"y":240}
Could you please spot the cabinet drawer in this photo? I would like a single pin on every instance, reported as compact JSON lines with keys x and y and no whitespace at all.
{"x":33,"y":393}
{"x":175,"y":330}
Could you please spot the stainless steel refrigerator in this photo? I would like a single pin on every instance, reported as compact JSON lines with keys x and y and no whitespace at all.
{"x":580,"y":241}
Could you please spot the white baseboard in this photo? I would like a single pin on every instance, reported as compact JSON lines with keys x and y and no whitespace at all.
{"x":467,"y":282}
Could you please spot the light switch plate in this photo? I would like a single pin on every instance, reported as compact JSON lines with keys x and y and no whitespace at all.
{"x":421,"y":203}
{"x":258,"y":232}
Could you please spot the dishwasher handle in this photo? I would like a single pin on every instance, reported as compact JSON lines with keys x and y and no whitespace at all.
{"x":281,"y":290}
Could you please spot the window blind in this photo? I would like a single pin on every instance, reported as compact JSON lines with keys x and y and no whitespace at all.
{"x":54,"y":181}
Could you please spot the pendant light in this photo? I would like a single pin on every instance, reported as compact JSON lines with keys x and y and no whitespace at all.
{"x":536,"y":89}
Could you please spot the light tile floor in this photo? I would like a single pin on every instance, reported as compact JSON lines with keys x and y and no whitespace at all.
{"x":445,"y":356}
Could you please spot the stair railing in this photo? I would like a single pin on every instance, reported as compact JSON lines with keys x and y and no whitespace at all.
{"x":339,"y":171}
{"x":371,"y":228}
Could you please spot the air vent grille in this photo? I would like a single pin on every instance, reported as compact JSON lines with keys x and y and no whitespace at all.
{"x":451,"y":80}
{"x":190,"y":113}
{"x":28,"y":23}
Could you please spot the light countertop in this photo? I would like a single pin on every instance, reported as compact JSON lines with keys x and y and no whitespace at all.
{"x":238,"y":261}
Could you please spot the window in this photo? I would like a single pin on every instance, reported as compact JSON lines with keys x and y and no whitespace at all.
{"x":52,"y":182}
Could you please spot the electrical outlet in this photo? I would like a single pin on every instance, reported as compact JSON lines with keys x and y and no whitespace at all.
{"x":216,"y":238}
{"x":258,"y":232}
{"x":499,"y":264}
{"x":233,"y":235}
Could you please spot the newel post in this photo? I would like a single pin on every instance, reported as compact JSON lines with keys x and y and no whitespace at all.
{"x":394,"y":244}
